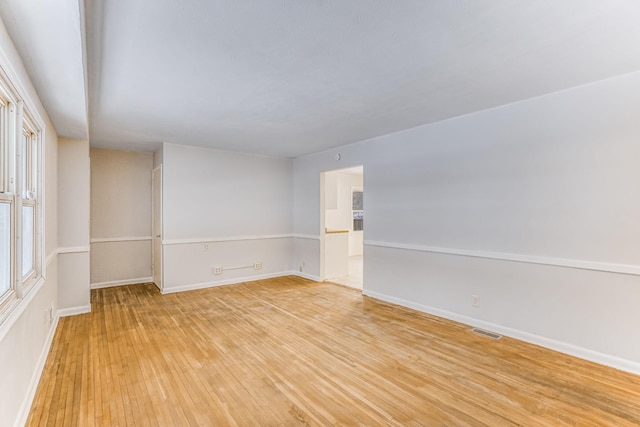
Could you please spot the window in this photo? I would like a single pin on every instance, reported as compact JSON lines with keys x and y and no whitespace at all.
{"x":28,"y":178}
{"x":7,"y":207}
{"x":5,"y":247}
{"x":20,"y":253}
{"x":357,"y":209}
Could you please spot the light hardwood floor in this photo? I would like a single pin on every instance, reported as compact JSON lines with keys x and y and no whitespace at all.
{"x":287,"y":352}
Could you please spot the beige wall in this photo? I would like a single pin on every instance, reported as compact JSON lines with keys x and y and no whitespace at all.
{"x":50,"y":188}
{"x":25,"y":335}
{"x":73,"y":193}
{"x":120,"y":217}
{"x":73,"y":225}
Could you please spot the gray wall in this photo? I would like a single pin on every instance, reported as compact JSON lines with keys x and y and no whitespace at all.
{"x":532,"y":206}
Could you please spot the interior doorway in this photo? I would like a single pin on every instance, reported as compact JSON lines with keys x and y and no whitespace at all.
{"x":342,"y":223}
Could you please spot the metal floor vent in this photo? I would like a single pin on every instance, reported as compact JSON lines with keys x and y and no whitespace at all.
{"x":486,"y":333}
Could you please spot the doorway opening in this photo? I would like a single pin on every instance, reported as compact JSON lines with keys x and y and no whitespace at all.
{"x":342,"y":226}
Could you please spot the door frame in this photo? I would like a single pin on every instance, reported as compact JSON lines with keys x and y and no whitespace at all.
{"x":156,"y":237}
{"x":323,"y":203}
{"x":323,"y":198}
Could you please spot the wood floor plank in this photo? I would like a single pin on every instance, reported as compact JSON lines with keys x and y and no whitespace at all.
{"x":291,"y":352}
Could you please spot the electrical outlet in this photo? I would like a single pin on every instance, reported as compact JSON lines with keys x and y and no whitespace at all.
{"x":300,"y":269}
{"x":217,"y":270}
{"x":206,"y":247}
{"x":257,"y":265}
{"x":475,"y":301}
{"x":50,"y":314}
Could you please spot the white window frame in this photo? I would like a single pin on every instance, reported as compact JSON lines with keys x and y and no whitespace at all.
{"x":7,"y":188}
{"x":28,"y":195}
{"x":14,"y":119}
{"x":4,"y":120}
{"x":10,"y":297}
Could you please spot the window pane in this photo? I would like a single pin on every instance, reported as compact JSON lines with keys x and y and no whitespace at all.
{"x":358,"y":218}
{"x":27,"y":239}
{"x":2,"y":150}
{"x":5,"y":247}
{"x":24,"y":164}
{"x":357,"y":201}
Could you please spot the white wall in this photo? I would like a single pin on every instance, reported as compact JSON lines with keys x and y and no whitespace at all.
{"x":120,"y":217}
{"x":356,"y":241}
{"x":158,"y":157}
{"x":338,"y":200}
{"x":224,"y":209}
{"x":73,"y":226}
{"x":306,"y":255}
{"x":338,"y":187}
{"x":25,"y":336}
{"x":477,"y":205}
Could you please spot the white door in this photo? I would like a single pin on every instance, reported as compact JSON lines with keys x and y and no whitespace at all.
{"x":156,"y":182}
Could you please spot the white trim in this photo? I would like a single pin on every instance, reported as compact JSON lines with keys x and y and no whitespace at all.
{"x":562,"y":347}
{"x":305,"y":236}
{"x":51,"y":257}
{"x":306,"y":276}
{"x":531,"y":259}
{"x":72,"y":311}
{"x":120,"y":239}
{"x":74,"y":250}
{"x":204,"y":285}
{"x":225,"y":239}
{"x":25,"y":407}
{"x":157,"y":226}
{"x":113,"y":283}
{"x":218,"y":239}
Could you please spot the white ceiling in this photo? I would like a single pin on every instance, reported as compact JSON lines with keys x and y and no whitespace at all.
{"x":49,"y":37}
{"x":292,"y":77}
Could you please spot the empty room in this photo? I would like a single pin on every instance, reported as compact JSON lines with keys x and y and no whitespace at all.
{"x":319,"y":212}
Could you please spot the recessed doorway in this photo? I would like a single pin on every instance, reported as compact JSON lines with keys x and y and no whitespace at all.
{"x":342,"y":221}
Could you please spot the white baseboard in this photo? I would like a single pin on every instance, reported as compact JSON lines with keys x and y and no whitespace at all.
{"x":305,"y":276}
{"x":225,"y":239}
{"x":112,"y":283}
{"x":25,"y":408}
{"x":204,"y":285}
{"x":72,"y":311}
{"x":562,"y":347}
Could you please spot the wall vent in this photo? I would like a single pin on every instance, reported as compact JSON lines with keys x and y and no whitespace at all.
{"x":486,"y":333}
